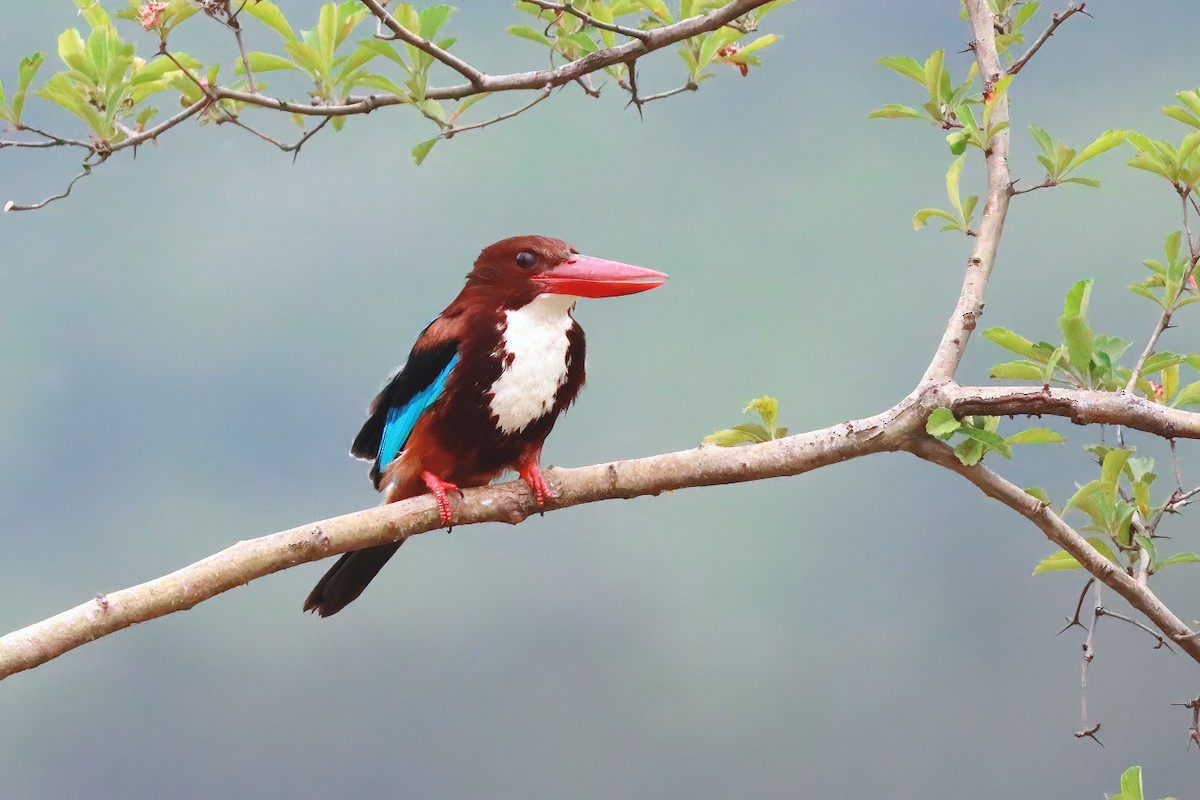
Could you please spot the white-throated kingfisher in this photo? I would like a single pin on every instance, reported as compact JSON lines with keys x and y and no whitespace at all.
{"x":481,"y":389}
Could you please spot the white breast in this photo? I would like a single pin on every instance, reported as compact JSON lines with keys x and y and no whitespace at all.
{"x":534,"y":348}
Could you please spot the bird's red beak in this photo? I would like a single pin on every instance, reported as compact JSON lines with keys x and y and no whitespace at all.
{"x":584,"y":276}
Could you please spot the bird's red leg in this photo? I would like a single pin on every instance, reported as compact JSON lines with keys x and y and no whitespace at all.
{"x":439,"y":488}
{"x":531,"y":473}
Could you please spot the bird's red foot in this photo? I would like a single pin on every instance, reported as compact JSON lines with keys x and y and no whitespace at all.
{"x":439,"y":488}
{"x":531,"y":473}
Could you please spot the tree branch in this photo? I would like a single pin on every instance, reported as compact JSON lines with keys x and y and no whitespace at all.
{"x":588,"y":19}
{"x":510,"y":502}
{"x":1062,"y":534}
{"x":1081,"y":406}
{"x":1056,"y":20}
{"x":979,"y":266}
{"x":424,"y":45}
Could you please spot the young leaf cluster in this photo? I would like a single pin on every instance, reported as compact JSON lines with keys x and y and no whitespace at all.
{"x":1089,"y":360}
{"x":1121,"y":513}
{"x":978,"y":435}
{"x":752,"y":432}
{"x":964,"y":209}
{"x":1060,"y":161}
{"x":112,"y":91}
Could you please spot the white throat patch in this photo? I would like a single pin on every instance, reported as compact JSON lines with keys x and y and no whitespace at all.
{"x":534,"y":345}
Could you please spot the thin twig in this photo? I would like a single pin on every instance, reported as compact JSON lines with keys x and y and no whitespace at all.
{"x":165,"y":125}
{"x":1055,"y":21}
{"x":231,"y":22}
{"x":51,"y":140}
{"x":588,"y":19}
{"x":1104,"y":612}
{"x":294,"y":149}
{"x":1089,"y":653}
{"x":456,"y":129}
{"x":1164,"y":320}
{"x":1043,"y":185}
{"x":11,"y":206}
{"x":424,"y":45}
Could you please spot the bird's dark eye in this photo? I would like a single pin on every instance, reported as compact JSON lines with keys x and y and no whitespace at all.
{"x":526,"y":259}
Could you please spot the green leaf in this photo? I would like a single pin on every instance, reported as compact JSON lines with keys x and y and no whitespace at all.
{"x":269,"y":14}
{"x":730,"y":437}
{"x":891,"y":111}
{"x":941,"y":423}
{"x":1110,"y":470}
{"x":1036,"y":436}
{"x":952,"y":176}
{"x":1061,"y":559}
{"x":25,"y":71}
{"x":990,"y":439}
{"x":1131,"y":785}
{"x":1190,"y":395}
{"x":1039,"y":493}
{"x":1104,"y":142}
{"x":422,"y":150}
{"x":1024,"y":13}
{"x":1082,"y":494}
{"x":529,"y":32}
{"x":71,"y":50}
{"x":434,"y":18}
{"x":1160,"y":361}
{"x":1016,"y":343}
{"x":264,"y":62}
{"x":1018,"y":371}
{"x":768,"y":410}
{"x":933,"y":74}
{"x":1092,"y":182}
{"x":969,"y":452}
{"x":906,"y":66}
{"x":922,"y":217}
{"x":1055,"y":562}
{"x":1180,"y":558}
{"x":382,"y":83}
{"x":1077,"y":335}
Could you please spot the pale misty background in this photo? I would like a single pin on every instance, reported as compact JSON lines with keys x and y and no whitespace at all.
{"x":189,"y":343}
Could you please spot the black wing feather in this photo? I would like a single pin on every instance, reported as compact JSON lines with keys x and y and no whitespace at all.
{"x":421,"y":369}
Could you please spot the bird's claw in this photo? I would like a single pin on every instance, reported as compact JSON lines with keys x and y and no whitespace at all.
{"x":439,"y":488}
{"x":532,"y":475}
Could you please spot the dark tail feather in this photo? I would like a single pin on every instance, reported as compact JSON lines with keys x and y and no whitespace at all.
{"x":347,"y":578}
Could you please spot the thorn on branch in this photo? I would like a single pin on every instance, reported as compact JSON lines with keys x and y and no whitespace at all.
{"x":1090,"y":733}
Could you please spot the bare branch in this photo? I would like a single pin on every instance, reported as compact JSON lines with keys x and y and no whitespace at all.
{"x":51,"y":140}
{"x":510,"y":502}
{"x":455,"y":129}
{"x":979,"y":266}
{"x":1104,"y":612}
{"x":11,"y":206}
{"x":1081,"y":406}
{"x":1055,"y":21}
{"x":154,"y":132}
{"x":1089,"y":655}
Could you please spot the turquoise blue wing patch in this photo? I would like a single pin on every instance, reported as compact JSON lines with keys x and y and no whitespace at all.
{"x":401,"y":420}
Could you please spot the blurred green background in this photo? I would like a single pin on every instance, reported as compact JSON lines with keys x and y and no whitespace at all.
{"x":188,"y":344}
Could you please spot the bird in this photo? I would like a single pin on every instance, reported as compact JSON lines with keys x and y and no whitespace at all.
{"x":481,"y":389}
